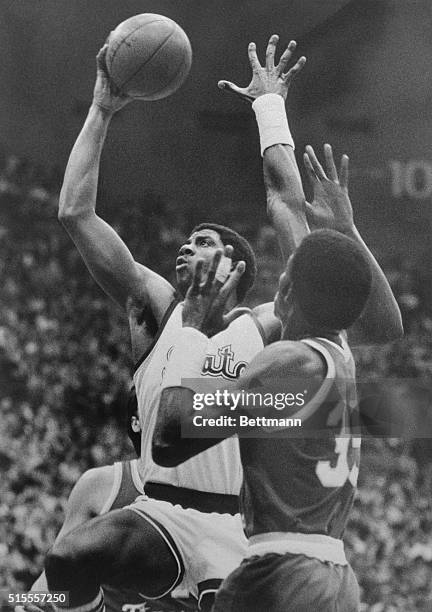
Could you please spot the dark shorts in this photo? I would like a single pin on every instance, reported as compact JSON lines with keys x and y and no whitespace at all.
{"x":288,"y":583}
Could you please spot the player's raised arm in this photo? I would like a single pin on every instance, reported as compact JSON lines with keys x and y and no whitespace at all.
{"x":331,"y":208}
{"x":104,"y":252}
{"x":268,"y":91}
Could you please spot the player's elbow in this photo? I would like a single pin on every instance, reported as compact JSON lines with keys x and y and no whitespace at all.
{"x":164,"y":454}
{"x":72,"y":212}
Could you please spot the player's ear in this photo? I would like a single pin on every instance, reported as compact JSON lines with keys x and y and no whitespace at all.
{"x":135,"y":424}
{"x":284,"y":285}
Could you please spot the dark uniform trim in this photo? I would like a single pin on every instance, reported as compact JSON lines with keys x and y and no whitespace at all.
{"x":207,"y":589}
{"x":161,"y":327}
{"x":174,"y":549}
{"x":190,"y":498}
{"x":259,"y":327}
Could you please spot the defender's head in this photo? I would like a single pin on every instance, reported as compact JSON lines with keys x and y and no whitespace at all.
{"x":133,"y":424}
{"x":327,"y":282}
{"x":203,"y":242}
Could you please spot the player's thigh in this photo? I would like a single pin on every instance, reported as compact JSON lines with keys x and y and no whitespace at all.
{"x":123,"y":549}
{"x":288,"y":583}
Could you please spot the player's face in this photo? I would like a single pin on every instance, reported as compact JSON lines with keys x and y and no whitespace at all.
{"x":200,"y":245}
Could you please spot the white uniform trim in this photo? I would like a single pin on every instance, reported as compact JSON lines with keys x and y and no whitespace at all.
{"x":136,"y":479}
{"x":344,"y":350}
{"x":115,"y":488}
{"x":318,"y":546}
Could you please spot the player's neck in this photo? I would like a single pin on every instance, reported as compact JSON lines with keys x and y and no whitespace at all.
{"x":295,"y":327}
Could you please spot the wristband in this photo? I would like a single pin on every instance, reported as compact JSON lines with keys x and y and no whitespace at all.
{"x":272,"y":121}
{"x":187,"y":357}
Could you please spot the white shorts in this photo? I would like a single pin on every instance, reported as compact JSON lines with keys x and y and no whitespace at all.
{"x":210,"y":545}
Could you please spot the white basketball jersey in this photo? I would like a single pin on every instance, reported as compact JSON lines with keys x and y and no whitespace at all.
{"x":218,"y":469}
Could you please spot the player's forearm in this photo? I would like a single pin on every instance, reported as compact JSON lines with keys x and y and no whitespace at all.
{"x":285,"y":197}
{"x":169,"y":448}
{"x":284,"y":190}
{"x":381,"y":319}
{"x":78,"y":193}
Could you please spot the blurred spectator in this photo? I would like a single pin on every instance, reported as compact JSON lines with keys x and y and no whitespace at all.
{"x":64,"y":369}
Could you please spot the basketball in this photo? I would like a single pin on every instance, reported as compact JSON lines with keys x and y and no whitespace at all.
{"x":149,"y":56}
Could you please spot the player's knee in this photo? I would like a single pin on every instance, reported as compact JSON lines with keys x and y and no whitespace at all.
{"x":65,"y":560}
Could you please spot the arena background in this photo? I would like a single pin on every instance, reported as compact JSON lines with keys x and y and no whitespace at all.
{"x":64,"y":363}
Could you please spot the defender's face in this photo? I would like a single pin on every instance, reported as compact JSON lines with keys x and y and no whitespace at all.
{"x":200,"y":245}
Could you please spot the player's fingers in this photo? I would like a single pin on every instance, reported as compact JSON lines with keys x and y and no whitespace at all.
{"x":197,"y":276}
{"x":309,"y":170}
{"x":271,"y":50}
{"x":228,"y":251}
{"x":224,"y":268}
{"x":285,"y":57}
{"x":330,"y":165}
{"x":232,"y":281}
{"x":253,"y":58}
{"x":101,"y":58}
{"x":241,"y":92}
{"x":298,"y":66}
{"x":318,"y":169}
{"x":344,"y":171}
{"x":211,"y":272}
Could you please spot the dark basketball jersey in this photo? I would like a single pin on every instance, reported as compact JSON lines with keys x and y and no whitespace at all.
{"x":306,"y":483}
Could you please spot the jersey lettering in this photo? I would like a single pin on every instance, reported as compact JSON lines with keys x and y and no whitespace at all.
{"x":337,"y":476}
{"x":223,"y":364}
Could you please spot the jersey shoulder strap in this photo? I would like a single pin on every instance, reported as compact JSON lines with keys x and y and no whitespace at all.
{"x":161,"y":327}
{"x":126,"y":486}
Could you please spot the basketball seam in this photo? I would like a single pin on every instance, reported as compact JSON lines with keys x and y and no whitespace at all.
{"x":181,"y":64}
{"x":150,"y":57}
{"x":124,"y":39}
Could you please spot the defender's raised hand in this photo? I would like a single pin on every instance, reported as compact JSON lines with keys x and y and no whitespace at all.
{"x":269,"y":78}
{"x":331,"y":206}
{"x":106,"y":95}
{"x":209,"y":292}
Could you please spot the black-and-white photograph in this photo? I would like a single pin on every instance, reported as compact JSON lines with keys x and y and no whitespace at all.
{"x":216,"y":306}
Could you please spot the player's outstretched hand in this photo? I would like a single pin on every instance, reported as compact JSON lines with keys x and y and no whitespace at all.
{"x":209,"y":292}
{"x":106,"y":95}
{"x":331,"y":206}
{"x":270,"y":78}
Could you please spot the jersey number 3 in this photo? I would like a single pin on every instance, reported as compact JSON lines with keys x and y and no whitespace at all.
{"x":338,"y":475}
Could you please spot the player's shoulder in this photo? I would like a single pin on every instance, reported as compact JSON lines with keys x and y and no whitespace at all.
{"x":92,"y":488}
{"x":287,"y":357}
{"x":152,"y":292}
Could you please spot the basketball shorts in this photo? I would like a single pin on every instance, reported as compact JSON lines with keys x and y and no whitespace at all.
{"x":288,"y":583}
{"x":208,"y":545}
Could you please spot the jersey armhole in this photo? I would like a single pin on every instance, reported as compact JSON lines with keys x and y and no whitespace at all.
{"x":136,"y":477}
{"x":164,"y":321}
{"x":118,"y":471}
{"x":259,"y":326}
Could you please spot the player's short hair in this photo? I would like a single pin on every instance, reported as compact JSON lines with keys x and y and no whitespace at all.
{"x":131,"y":411}
{"x":242,"y":252}
{"x":331,"y":279}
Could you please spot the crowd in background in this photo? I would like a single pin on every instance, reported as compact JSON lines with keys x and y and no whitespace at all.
{"x":65,"y":369}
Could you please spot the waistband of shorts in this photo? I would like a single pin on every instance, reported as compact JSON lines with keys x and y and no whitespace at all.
{"x":191,"y":498}
{"x":315,"y":545}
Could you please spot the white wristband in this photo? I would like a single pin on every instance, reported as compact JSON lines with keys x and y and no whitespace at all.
{"x":187,"y":358}
{"x":272,"y":121}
